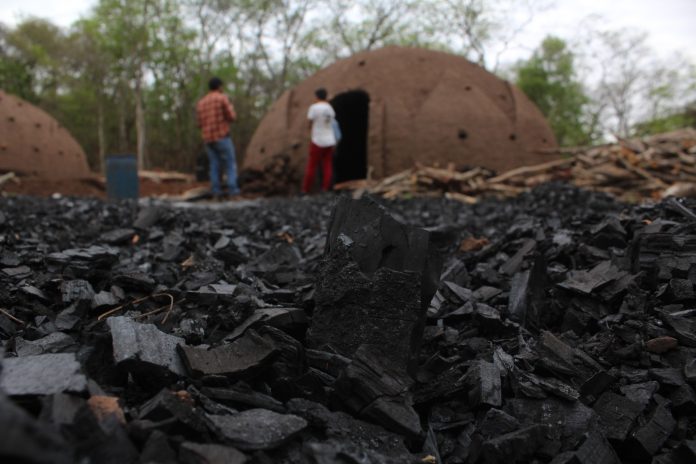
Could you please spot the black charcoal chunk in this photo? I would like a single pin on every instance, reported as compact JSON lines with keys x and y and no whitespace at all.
{"x":378,"y":389}
{"x":641,"y":393}
{"x":104,"y":298}
{"x":595,"y":450}
{"x":136,"y":281}
{"x":258,"y":429}
{"x":483,"y":380}
{"x":55,"y":342}
{"x":206,"y":453}
{"x":19,"y":272}
{"x":690,"y":371}
{"x":167,"y":406}
{"x":564,"y":421}
{"x":668,"y":376}
{"x":555,"y":355}
{"x":26,"y":440}
{"x":213,"y":293}
{"x":515,"y":262}
{"x":35,"y":292}
{"x":330,"y":363}
{"x":76,"y":291}
{"x":587,"y":282}
{"x":236,"y":359}
{"x":335,"y":452}
{"x":687,"y":451}
{"x":287,"y":319}
{"x":595,"y":386}
{"x":86,"y":258}
{"x":376,"y":281}
{"x":617,"y":415}
{"x":242,"y":395}
{"x":518,"y":446}
{"x":497,"y":422}
{"x":648,"y":439}
{"x":43,"y":374}
{"x":144,"y":350}
{"x":343,"y":428}
{"x":117,"y":236}
{"x":683,"y":400}
{"x":148,"y":217}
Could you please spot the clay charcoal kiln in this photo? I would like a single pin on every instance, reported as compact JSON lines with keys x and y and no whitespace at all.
{"x":32,"y":143}
{"x":400,"y":106}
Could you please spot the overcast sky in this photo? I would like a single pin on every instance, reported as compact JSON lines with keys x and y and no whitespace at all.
{"x":670,"y":23}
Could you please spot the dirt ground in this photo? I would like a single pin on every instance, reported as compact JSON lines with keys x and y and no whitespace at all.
{"x":91,"y":187}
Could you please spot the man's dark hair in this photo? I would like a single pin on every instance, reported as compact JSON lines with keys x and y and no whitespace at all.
{"x":321,"y":93}
{"x":215,"y":83}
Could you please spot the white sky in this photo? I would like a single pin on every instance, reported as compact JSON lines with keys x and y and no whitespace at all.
{"x":671,"y":24}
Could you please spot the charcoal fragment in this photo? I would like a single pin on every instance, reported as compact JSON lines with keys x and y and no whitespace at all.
{"x":205,"y":453}
{"x":145,"y":351}
{"x":497,"y":422}
{"x":42,"y":375}
{"x":379,"y":389}
{"x":26,"y":439}
{"x":617,"y":414}
{"x":55,"y":342}
{"x":513,"y":447}
{"x":258,"y":429}
{"x":641,"y":393}
{"x":378,"y":277}
{"x":483,"y":379}
{"x":647,"y":440}
{"x":596,"y":450}
{"x":245,"y":354}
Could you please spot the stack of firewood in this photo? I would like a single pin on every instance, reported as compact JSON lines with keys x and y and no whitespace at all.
{"x":654,"y":166}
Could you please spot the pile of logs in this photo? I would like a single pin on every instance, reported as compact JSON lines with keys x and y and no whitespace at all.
{"x":654,"y":167}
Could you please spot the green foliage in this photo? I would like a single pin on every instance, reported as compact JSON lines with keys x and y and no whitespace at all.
{"x":678,"y":120}
{"x":15,"y":78}
{"x":548,"y":79}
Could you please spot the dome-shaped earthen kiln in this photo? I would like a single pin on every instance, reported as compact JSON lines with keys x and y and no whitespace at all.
{"x":398,"y":106}
{"x":32,"y":143}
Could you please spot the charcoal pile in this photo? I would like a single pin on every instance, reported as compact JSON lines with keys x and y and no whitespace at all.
{"x":651,"y":167}
{"x":558,"y":326}
{"x":266,"y":180}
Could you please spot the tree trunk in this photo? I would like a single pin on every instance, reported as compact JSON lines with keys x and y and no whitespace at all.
{"x":101,"y":139}
{"x":122,"y":129}
{"x":140,"y":124}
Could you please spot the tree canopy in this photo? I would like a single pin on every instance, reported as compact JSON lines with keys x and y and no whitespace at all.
{"x":550,"y":80}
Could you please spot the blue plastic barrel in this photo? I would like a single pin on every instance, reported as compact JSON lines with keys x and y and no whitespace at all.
{"x":121,"y":176}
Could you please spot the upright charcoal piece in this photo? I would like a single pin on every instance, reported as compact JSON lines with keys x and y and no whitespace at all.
{"x":375,"y":283}
{"x":146,"y":352}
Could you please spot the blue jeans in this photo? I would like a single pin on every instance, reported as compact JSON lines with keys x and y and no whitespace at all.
{"x":222,"y":151}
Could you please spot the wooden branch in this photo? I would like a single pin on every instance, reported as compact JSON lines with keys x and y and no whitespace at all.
{"x":531,"y":169}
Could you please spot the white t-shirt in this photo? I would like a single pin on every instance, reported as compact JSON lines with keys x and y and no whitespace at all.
{"x":322,"y":114}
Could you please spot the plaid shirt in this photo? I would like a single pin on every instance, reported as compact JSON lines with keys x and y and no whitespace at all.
{"x":215,"y":113}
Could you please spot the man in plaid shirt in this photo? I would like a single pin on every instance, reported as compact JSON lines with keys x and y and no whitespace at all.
{"x":215,"y":113}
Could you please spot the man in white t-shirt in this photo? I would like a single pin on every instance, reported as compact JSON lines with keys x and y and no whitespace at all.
{"x":320,"y":119}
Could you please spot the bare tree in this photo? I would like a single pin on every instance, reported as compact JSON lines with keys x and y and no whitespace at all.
{"x":481,"y":30}
{"x":367,"y":24}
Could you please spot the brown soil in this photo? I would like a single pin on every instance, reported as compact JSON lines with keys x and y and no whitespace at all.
{"x":90,"y":187}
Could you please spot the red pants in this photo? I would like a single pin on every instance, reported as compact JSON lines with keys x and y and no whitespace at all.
{"x":323,"y":155}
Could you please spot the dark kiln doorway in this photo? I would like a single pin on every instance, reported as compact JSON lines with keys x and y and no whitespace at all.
{"x":352,"y":112}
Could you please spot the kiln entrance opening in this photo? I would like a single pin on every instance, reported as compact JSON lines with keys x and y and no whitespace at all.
{"x":352,"y":112}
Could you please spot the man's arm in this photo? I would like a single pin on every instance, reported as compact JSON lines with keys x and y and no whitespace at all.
{"x":228,"y":109}
{"x":310,"y":118}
